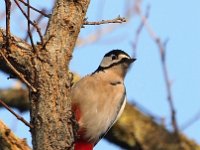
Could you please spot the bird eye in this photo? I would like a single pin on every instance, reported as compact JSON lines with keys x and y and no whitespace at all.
{"x":113,"y":57}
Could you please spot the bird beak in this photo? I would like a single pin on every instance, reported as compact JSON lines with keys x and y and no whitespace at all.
{"x":131,"y":60}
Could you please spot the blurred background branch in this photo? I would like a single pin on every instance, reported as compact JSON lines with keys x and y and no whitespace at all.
{"x":162,"y":50}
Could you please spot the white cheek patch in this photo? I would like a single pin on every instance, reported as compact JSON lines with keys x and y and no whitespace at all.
{"x":121,"y":56}
{"x":106,"y":62}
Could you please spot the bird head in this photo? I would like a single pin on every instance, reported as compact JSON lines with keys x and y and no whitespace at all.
{"x":117,"y":61}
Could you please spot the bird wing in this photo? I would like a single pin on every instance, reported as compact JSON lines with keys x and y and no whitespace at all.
{"x":118,"y":114}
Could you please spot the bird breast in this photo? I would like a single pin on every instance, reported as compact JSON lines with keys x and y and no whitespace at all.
{"x":99,"y":102}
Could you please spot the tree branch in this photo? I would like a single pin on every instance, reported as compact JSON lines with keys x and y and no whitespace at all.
{"x":16,"y":60}
{"x":8,"y":141}
{"x":16,"y":115}
{"x":134,"y":130}
{"x":19,"y":75}
{"x":8,"y":7}
{"x":116,"y":20}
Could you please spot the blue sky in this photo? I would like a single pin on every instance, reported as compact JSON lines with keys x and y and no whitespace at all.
{"x":178,"y":21}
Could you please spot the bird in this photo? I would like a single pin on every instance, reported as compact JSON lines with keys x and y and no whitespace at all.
{"x":99,"y":98}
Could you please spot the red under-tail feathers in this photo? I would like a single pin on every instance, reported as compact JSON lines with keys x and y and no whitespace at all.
{"x":81,"y":144}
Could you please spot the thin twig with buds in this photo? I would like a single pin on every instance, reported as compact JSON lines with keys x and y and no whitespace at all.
{"x":116,"y":20}
{"x":16,"y":115}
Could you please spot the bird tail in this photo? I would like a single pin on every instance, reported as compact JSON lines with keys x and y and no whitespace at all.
{"x":83,"y":145}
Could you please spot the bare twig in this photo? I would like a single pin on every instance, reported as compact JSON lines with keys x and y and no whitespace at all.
{"x":3,"y":13}
{"x":38,"y":19}
{"x":161,"y":48}
{"x":97,"y":34}
{"x":47,"y":41}
{"x":94,"y":36}
{"x":23,"y":12}
{"x":32,"y":28}
{"x":20,"y":76}
{"x":42,"y":12}
{"x":29,"y":27}
{"x":39,"y":32}
{"x":8,"y":7}
{"x":16,"y":115}
{"x":30,"y":23}
{"x":191,"y":121}
{"x":139,"y":29}
{"x":116,"y":20}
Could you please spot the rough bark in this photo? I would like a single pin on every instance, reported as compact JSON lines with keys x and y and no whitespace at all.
{"x":46,"y":67}
{"x":51,"y":105}
{"x":19,"y":55}
{"x":8,"y":141}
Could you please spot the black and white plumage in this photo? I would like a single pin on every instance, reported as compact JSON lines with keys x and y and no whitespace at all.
{"x":100,"y":98}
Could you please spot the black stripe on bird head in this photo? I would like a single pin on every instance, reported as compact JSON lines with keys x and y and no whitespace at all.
{"x":114,"y":58}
